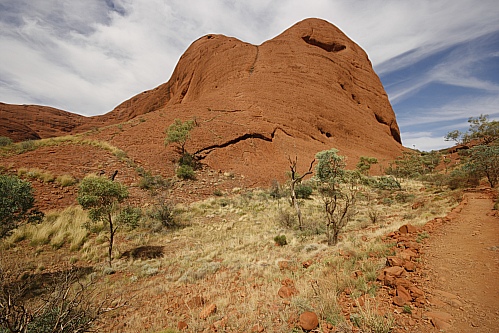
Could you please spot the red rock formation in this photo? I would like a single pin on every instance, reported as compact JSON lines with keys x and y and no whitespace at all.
{"x":32,"y":122}
{"x":309,"y":89}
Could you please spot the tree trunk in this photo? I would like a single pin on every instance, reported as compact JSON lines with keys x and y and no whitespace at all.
{"x":294,"y":201}
{"x":111,"y":239}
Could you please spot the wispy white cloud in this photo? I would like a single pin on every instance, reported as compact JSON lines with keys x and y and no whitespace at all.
{"x":88,"y":56}
{"x":425,"y":141}
{"x":458,"y":110}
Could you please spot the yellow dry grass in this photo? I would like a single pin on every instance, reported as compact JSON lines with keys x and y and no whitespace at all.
{"x":226,"y":253}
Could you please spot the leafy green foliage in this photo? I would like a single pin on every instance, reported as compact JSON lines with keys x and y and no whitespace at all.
{"x":365,"y":164}
{"x":185,"y":172}
{"x":461,"y":178}
{"x":280,"y":240}
{"x":16,"y":201}
{"x":387,"y":183}
{"x":165,"y":214}
{"x":178,"y":133}
{"x":481,"y":128}
{"x":130,"y":216}
{"x":414,"y":164}
{"x":101,"y":196}
{"x":151,"y":182}
{"x":303,"y":191}
{"x":338,"y":189}
{"x":484,"y":162}
{"x":5,"y":141}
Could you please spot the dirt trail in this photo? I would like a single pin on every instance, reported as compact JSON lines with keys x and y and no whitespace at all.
{"x":462,"y":263}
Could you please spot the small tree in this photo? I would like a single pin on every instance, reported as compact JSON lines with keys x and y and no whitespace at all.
{"x":16,"y":201}
{"x":481,"y":128}
{"x":296,"y":179}
{"x":338,"y":189}
{"x":484,"y":162}
{"x":365,"y":163}
{"x":178,"y":133}
{"x":101,"y":197}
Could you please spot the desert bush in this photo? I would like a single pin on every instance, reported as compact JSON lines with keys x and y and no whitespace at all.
{"x":303,"y":191}
{"x":65,"y":307}
{"x":285,"y":218}
{"x":461,"y":178}
{"x":365,"y":163}
{"x":185,"y":172}
{"x":150,"y":182}
{"x":5,"y":141}
{"x":16,"y":202}
{"x":130,"y":216}
{"x":275,"y":190}
{"x":373,"y":214}
{"x":484,"y":162}
{"x":165,"y":213}
{"x":338,"y":189}
{"x":387,"y":183}
{"x":27,"y":145}
{"x":404,"y":197}
{"x":280,"y":240}
{"x":65,"y":180}
{"x":189,"y":160}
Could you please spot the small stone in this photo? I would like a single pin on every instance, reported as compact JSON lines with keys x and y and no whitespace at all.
{"x":394,"y":261}
{"x":308,"y":321}
{"x":404,"y":293}
{"x":287,"y":292}
{"x":416,"y":292}
{"x":407,"y":229}
{"x":394,"y":271}
{"x":409,"y":266}
{"x":182,"y":325}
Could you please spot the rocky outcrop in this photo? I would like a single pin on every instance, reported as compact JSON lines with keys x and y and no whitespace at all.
{"x":308,"y":89}
{"x":32,"y":122}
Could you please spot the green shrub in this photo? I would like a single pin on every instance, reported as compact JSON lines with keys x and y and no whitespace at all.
{"x":185,"y":172}
{"x":461,"y":178}
{"x":5,"y":141}
{"x":280,"y":240}
{"x":188,"y":159}
{"x":303,"y":191}
{"x":387,"y":183}
{"x":27,"y":145}
{"x":130,"y":216}
{"x":403,"y":197}
{"x":150,"y":182}
{"x":166,"y":214}
{"x":16,"y":201}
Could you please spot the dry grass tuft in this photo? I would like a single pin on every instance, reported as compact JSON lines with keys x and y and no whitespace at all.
{"x":56,"y":229}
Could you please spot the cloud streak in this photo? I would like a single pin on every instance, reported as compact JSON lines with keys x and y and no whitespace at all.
{"x":89,"y":56}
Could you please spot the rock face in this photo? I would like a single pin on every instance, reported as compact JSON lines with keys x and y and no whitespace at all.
{"x":32,"y":122}
{"x":309,"y":89}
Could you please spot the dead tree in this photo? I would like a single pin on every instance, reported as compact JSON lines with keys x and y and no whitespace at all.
{"x":295,"y":179}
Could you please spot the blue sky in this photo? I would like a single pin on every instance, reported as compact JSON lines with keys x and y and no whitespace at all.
{"x":438,"y":60}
